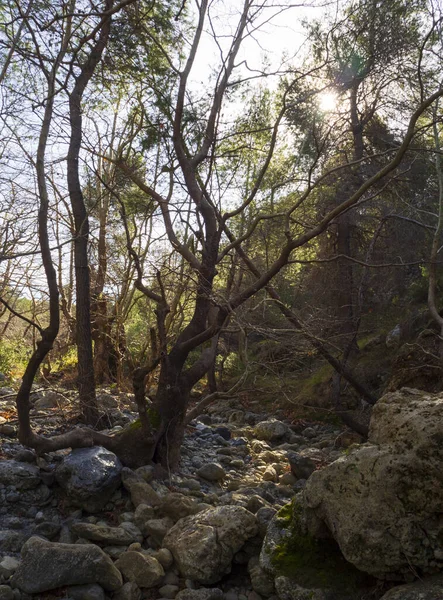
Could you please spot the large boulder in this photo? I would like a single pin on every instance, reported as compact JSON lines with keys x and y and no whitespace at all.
{"x":383,"y":502}
{"x":203,"y":545}
{"x":89,"y":477}
{"x":47,"y":565}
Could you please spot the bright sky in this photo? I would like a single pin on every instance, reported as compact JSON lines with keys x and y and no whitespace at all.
{"x":281,"y":33}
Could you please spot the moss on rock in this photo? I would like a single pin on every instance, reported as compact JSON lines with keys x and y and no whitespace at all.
{"x":310,"y":562}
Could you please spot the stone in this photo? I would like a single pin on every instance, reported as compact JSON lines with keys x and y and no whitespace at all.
{"x":8,"y":566}
{"x":393,"y":338}
{"x":211,"y":472}
{"x":287,"y":589}
{"x":146,"y":472}
{"x":271,"y":431}
{"x":141,"y":492}
{"x":262,"y":582}
{"x":49,"y":565}
{"x":130,"y":591}
{"x":302,"y":467}
{"x":176,"y":506}
{"x":47,"y":529}
{"x":20,"y":475}
{"x":90,"y":591}
{"x":113,"y":536}
{"x":50,"y":399}
{"x":143,"y":570}
{"x":426,"y":589}
{"x":201,"y":594}
{"x":270,"y":474}
{"x":164,"y":557}
{"x":264,"y":516}
{"x":12,"y":540}
{"x":287,"y":479}
{"x":158,"y":528}
{"x":89,"y":477}
{"x":169,"y":590}
{"x":224,"y":432}
{"x":107,"y":401}
{"x":383,"y":501}
{"x":6,"y":593}
{"x":203,"y":545}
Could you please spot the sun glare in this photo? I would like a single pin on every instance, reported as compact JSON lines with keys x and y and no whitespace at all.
{"x":328,"y":101}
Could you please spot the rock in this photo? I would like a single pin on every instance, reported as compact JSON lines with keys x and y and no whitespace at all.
{"x":113,"y":536}
{"x":302,"y":467}
{"x":143,"y":570}
{"x":90,"y":591}
{"x":141,"y":492}
{"x":11,"y":540}
{"x":393,"y":338}
{"x":50,"y":399}
{"x":176,"y":506}
{"x":262,"y":582}
{"x":107,"y":401}
{"x":264,"y":516}
{"x":224,"y":432}
{"x":426,"y":589}
{"x":270,"y":474}
{"x":164,"y":557}
{"x":271,"y":431}
{"x":20,"y":475}
{"x":158,"y":528}
{"x":146,"y":472}
{"x":287,"y":589}
{"x":47,"y":529}
{"x":8,"y":566}
{"x":143,"y":514}
{"x":89,"y":477}
{"x":383,"y":501}
{"x":48,"y":565}
{"x":211,"y":472}
{"x":25,"y":455}
{"x":287,"y":479}
{"x":6,"y":593}
{"x":201,"y":594}
{"x":204,"y":545}
{"x":169,"y":590}
{"x":130,"y":591}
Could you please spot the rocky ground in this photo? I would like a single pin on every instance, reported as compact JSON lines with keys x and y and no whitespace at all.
{"x":79,"y":525}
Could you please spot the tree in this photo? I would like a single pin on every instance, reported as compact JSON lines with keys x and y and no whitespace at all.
{"x":197,"y":215}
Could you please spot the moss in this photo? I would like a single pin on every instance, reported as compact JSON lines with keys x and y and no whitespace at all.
{"x":135,"y":425}
{"x":310,"y":562}
{"x":154,"y":417}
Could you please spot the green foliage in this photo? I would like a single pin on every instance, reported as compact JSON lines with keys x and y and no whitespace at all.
{"x":14,"y":356}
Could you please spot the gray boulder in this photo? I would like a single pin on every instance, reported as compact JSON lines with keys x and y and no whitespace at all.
{"x":6,"y":593}
{"x":271,"y":431}
{"x":203,"y":545}
{"x":89,"y":477}
{"x":427,"y":589}
{"x":48,"y":565}
{"x":383,"y":502}
{"x":90,"y":591}
{"x":50,"y":399}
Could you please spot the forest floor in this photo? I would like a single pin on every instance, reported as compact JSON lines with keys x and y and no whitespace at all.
{"x":234,"y":455}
